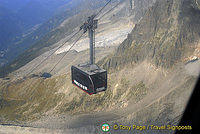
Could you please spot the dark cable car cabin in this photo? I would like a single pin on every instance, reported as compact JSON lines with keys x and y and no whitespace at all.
{"x":89,"y":78}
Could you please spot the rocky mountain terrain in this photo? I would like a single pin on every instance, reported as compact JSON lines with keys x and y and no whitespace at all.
{"x":152,"y":70}
{"x":139,"y":8}
{"x":164,"y":35}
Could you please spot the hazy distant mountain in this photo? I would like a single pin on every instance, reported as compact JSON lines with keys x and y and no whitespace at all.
{"x":37,"y":11}
{"x":13,"y":5}
{"x":18,"y":19}
{"x":47,"y":34}
{"x":10,"y":26}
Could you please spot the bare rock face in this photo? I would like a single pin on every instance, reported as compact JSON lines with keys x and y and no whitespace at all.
{"x":139,"y":7}
{"x":168,"y":32}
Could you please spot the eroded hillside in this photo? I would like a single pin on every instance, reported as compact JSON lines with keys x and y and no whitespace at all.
{"x":169,"y":33}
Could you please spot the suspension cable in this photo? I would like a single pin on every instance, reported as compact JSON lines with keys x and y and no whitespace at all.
{"x":55,"y":64}
{"x":66,"y":53}
{"x":102,"y":8}
{"x":109,"y":10}
{"x":53,"y":52}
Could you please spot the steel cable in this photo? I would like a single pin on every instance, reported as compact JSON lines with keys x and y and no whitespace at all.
{"x":102,"y":8}
{"x":53,"y":52}
{"x":66,"y":53}
{"x":109,"y":10}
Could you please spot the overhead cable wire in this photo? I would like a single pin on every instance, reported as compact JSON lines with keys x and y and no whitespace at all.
{"x":102,"y":8}
{"x":55,"y":64}
{"x":66,"y":53}
{"x":109,"y":10}
{"x":48,"y":56}
{"x":53,"y":52}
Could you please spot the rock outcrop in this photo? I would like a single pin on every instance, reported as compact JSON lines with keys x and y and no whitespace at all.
{"x":168,"y":33}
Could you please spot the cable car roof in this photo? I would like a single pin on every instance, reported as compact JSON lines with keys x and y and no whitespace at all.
{"x":90,"y":69}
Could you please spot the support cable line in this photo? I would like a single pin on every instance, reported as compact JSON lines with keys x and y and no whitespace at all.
{"x":53,"y":52}
{"x":48,"y":56}
{"x":102,"y":9}
{"x":66,"y":53}
{"x":109,"y":10}
{"x":56,"y":63}
{"x":94,"y":46}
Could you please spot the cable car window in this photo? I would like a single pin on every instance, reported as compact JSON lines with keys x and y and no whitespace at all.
{"x":99,"y":80}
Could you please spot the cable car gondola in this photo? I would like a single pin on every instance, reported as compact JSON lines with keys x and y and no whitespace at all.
{"x":89,"y":77}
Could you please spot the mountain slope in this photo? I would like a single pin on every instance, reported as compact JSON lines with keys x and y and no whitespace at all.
{"x":37,"y":12}
{"x":139,"y":8}
{"x":26,"y":22}
{"x":168,"y":33}
{"x":10,"y":25}
{"x":13,"y":5}
{"x":49,"y":33}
